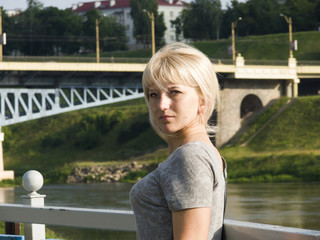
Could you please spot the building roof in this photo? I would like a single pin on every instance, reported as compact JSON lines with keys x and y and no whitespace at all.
{"x":175,"y":3}
{"x":83,"y":7}
{"x":114,"y":4}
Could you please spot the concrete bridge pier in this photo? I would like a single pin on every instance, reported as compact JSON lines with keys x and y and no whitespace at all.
{"x":295,"y":83}
{"x":250,"y":89}
{"x":292,"y":63}
{"x":4,"y":174}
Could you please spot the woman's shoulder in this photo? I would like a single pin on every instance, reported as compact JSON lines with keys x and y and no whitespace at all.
{"x":196,"y":147}
{"x":193,"y":152}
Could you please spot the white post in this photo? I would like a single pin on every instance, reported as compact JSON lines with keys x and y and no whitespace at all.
{"x":292,"y":62}
{"x":4,"y":174}
{"x":32,"y":181}
{"x":239,"y":60}
{"x":1,"y":151}
{"x":296,"y":81}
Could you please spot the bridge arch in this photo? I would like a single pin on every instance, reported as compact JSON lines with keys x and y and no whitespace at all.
{"x":250,"y":104}
{"x":238,"y":99}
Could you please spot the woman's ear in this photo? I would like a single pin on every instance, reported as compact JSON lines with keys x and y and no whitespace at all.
{"x":202,"y":105}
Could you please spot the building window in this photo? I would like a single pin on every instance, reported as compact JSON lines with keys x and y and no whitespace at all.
{"x":171,"y":14}
{"x":171,"y":37}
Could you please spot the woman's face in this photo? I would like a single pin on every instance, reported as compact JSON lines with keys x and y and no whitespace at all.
{"x":177,"y":108}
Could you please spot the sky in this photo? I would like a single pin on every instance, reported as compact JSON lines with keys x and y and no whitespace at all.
{"x":61,"y":4}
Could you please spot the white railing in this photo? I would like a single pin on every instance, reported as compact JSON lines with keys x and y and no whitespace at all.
{"x":72,"y":217}
{"x":124,"y":221}
{"x":36,"y":216}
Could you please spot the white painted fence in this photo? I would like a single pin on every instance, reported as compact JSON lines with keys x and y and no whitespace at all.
{"x":124,"y":220}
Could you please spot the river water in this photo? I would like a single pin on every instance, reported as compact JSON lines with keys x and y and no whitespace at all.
{"x":286,"y":204}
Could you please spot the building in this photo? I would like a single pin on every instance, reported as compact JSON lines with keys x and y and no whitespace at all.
{"x":120,"y":9}
{"x":13,"y":12}
{"x":171,"y":9}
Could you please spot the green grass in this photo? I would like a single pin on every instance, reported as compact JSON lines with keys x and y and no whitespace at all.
{"x":287,"y":149}
{"x":297,"y":128}
{"x":264,"y":47}
{"x":257,"y":121}
{"x":53,"y":145}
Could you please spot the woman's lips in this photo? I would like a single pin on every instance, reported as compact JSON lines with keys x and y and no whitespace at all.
{"x":165,"y":117}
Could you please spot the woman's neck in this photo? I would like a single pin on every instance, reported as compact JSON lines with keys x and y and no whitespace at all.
{"x":186,"y":136}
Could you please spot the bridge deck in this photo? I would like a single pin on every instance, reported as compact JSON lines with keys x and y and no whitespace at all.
{"x":89,"y":67}
{"x":240,"y":71}
{"x":72,"y":67}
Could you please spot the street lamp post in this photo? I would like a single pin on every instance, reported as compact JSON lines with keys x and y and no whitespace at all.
{"x":292,"y":61}
{"x":289,"y":21}
{"x":97,"y":41}
{"x":151,"y":16}
{"x":233,"y":26}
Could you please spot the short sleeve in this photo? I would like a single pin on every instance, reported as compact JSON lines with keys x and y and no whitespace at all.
{"x":187,"y":178}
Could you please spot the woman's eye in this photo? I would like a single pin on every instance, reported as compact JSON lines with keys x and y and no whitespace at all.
{"x":174,"y":92}
{"x":153,"y":94}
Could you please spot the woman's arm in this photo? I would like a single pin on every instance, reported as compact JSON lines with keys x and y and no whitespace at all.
{"x":191,"y":224}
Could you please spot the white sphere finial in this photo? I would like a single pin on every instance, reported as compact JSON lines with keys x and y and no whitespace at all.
{"x":32,"y":181}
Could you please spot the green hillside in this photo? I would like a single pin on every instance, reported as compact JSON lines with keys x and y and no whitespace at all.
{"x":288,"y":148}
{"x":264,"y":47}
{"x":117,"y":132}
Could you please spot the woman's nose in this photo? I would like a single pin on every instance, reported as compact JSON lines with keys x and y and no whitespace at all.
{"x":164,"y":101}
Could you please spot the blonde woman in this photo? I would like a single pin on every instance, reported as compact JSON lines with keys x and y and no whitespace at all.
{"x":184,"y":197}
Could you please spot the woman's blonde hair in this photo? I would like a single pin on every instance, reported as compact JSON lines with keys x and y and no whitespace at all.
{"x":179,"y":63}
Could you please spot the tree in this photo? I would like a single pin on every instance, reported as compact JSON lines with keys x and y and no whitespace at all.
{"x":111,"y":33}
{"x":202,"y":20}
{"x":51,"y":31}
{"x":72,"y":32}
{"x":262,"y":17}
{"x":8,"y":28}
{"x":304,"y":13}
{"x":178,"y":25}
{"x":142,"y":23}
{"x":60,"y":29}
{"x":47,"y":31}
{"x":27,"y":25}
{"x":258,"y":17}
{"x":34,"y":4}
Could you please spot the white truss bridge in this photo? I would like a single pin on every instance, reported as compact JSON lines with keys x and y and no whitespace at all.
{"x":23,"y":104}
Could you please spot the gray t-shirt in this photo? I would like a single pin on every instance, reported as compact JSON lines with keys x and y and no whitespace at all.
{"x":190,"y":177}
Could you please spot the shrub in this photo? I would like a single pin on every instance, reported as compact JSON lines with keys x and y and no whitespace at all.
{"x":133,"y":131}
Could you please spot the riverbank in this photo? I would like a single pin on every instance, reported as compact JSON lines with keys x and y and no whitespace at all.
{"x":112,"y":137}
{"x":109,"y":174}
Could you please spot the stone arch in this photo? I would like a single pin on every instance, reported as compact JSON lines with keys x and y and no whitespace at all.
{"x":250,"y":104}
